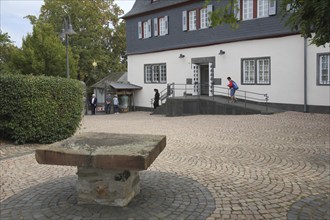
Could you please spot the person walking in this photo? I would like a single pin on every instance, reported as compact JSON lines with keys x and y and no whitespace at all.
{"x":156,"y":99}
{"x":233,"y":87}
{"x":93,"y":104}
{"x":115,"y":104}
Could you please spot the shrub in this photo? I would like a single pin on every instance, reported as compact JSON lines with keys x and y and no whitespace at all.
{"x":39,"y":109}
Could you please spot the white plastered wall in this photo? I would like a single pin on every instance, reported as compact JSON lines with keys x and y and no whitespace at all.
{"x":316,"y":94}
{"x":287,"y":69}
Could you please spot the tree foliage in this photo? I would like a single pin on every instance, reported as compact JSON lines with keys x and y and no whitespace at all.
{"x":100,"y":36}
{"x":8,"y":50}
{"x":310,"y":17}
{"x":43,"y":53}
{"x":225,"y":14}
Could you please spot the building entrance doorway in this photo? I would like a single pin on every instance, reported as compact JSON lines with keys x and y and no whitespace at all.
{"x":204,"y":70}
{"x":203,"y":75}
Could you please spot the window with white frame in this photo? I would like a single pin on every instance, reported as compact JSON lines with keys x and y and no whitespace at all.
{"x":204,"y":18}
{"x":323,"y":69}
{"x":147,"y":74}
{"x":192,"y":20}
{"x":247,"y":9}
{"x":155,"y":73}
{"x":256,"y":71}
{"x":145,"y":29}
{"x":163,"y":77}
{"x":263,"y":71}
{"x":162,"y":26}
{"x":248,"y":71}
{"x":263,"y":8}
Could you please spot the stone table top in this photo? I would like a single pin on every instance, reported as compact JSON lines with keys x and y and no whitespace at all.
{"x":104,"y":151}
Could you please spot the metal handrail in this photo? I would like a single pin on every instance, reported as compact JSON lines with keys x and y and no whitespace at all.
{"x":188,"y":89}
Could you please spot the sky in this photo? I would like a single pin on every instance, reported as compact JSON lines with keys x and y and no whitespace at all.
{"x":12,"y":13}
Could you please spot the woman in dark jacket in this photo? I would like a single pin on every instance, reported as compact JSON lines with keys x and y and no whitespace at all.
{"x":156,"y":99}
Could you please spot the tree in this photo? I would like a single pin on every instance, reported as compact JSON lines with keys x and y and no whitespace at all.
{"x":43,"y":53}
{"x":7,"y":49}
{"x":310,"y":17}
{"x":99,"y":34}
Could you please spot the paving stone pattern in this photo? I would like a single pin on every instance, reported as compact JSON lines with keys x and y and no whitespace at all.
{"x":213,"y":167}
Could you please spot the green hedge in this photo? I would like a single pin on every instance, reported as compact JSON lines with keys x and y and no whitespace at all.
{"x":39,"y":109}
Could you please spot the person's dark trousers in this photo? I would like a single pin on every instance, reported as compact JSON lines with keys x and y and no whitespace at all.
{"x":93,"y":109}
{"x":107,"y":109}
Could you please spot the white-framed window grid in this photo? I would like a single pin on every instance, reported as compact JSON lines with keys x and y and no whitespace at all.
{"x":162,"y":26}
{"x":247,"y":9}
{"x":163,"y":75}
{"x":263,"y":8}
{"x":256,"y":71}
{"x":192,"y":20}
{"x":155,"y":73}
{"x":145,"y":29}
{"x":147,"y":73}
{"x":204,"y":18}
{"x":263,"y":71}
{"x":248,"y":71}
{"x":323,"y":69}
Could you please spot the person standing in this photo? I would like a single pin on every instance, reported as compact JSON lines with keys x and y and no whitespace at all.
{"x":108,"y":104}
{"x":156,"y":98}
{"x":115,"y":104}
{"x":233,"y":87}
{"x":93,"y":104}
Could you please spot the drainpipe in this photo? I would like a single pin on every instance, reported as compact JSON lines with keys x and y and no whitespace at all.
{"x":305,"y":74}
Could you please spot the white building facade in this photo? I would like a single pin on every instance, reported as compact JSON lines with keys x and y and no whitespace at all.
{"x":172,"y":43}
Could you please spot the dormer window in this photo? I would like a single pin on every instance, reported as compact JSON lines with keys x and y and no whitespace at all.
{"x":163,"y":29}
{"x":196,"y":19}
{"x":247,"y":9}
{"x":192,"y":20}
{"x":144,"y":29}
{"x":159,"y":26}
{"x":262,"y":8}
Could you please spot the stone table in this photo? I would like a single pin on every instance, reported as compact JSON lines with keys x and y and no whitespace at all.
{"x":108,"y":164}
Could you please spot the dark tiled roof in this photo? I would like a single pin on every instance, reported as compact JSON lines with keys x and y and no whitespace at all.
{"x":127,"y":86}
{"x":143,"y":6}
{"x":111,"y":78}
{"x":116,"y":81}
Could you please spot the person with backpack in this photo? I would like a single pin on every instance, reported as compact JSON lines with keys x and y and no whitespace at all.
{"x":233,"y":87}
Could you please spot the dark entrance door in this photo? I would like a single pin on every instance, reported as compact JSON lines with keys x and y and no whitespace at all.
{"x":204,"y":70}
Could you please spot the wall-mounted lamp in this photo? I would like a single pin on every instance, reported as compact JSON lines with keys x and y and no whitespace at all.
{"x":181,"y":56}
{"x":222,"y":52}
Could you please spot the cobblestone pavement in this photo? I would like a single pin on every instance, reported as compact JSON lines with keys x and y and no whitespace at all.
{"x":213,"y":167}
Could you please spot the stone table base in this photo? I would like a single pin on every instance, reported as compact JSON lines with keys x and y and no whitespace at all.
{"x":108,"y":164}
{"x":107,"y":187}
